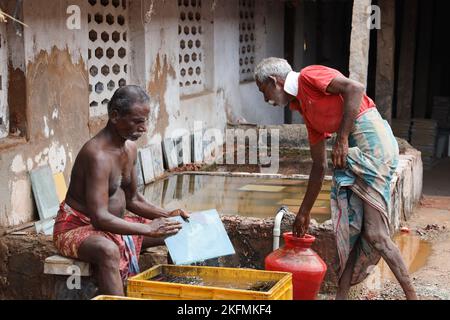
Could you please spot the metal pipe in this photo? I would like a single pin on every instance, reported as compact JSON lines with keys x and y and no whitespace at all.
{"x":277,"y":226}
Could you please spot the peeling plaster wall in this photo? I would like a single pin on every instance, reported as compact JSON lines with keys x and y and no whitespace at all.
{"x":226,"y":48}
{"x":158,"y":49}
{"x":161,"y":68}
{"x":155,"y":48}
{"x":269,"y":16}
{"x":56,"y":105}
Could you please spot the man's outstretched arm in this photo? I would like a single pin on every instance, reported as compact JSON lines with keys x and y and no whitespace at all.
{"x":319,"y":166}
{"x":137,"y":204}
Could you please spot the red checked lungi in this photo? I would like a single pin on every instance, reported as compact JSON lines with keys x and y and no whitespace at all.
{"x":73,"y":227}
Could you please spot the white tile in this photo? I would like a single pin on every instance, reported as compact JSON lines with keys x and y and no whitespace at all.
{"x":147,"y":165}
{"x":158,"y":164}
{"x":170,"y":154}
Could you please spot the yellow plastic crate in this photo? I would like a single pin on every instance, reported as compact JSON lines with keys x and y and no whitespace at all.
{"x":106,"y":297}
{"x":140,"y":286}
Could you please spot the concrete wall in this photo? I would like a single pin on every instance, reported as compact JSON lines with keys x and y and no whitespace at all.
{"x":360,"y":41}
{"x":269,"y":22}
{"x":156,"y":46}
{"x":56,"y":88}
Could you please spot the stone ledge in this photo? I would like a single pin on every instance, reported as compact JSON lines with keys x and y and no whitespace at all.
{"x":59,"y":265}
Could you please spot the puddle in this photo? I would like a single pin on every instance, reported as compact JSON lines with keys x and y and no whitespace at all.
{"x":262,"y":286}
{"x":244,"y":196}
{"x":414,"y":251}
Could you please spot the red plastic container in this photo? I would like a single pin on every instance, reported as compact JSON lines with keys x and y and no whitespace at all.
{"x":297,"y":257}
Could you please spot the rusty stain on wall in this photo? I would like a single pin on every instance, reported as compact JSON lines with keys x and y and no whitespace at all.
{"x":57,"y":107}
{"x":96,"y":124}
{"x":54,"y":82}
{"x":157,"y":88}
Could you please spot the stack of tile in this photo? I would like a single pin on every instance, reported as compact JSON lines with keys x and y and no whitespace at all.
{"x":441,"y":111}
{"x":402,"y":128}
{"x":423,"y":137}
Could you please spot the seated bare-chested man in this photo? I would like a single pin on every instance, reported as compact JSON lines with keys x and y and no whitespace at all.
{"x":91,"y":224}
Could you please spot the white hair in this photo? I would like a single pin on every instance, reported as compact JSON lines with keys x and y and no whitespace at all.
{"x":272,"y":67}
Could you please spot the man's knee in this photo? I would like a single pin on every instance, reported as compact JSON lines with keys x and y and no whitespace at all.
{"x":108,"y":255}
{"x":378,"y":240}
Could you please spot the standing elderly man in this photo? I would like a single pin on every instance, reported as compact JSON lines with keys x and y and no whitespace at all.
{"x":364,"y":156}
{"x":91,"y":224}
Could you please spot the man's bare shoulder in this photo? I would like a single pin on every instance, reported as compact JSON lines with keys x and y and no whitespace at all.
{"x":93,"y":151}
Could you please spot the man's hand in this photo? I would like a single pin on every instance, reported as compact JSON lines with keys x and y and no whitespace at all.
{"x":353,"y":93}
{"x":339,"y":153}
{"x":162,"y":227}
{"x":179,"y":212}
{"x":301,"y":224}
